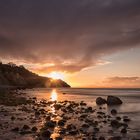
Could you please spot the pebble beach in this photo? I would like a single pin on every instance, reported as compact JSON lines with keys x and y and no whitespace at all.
{"x":63,"y":114}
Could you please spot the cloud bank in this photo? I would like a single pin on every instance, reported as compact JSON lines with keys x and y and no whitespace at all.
{"x":123,"y":81}
{"x":70,"y":34}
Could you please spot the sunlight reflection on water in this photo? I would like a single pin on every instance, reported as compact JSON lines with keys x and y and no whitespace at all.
{"x":53,"y":95}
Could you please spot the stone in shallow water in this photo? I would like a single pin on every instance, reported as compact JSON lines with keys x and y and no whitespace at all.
{"x":34,"y":129}
{"x":96,"y":129}
{"x":57,"y":106}
{"x":13,"y":118}
{"x":61,"y":122}
{"x":58,"y":138}
{"x":70,"y":127}
{"x":126,"y":120}
{"x":50,"y":124}
{"x":46,"y":134}
{"x":37,"y":113}
{"x":42,"y":111}
{"x":24,"y":132}
{"x":99,"y":117}
{"x":115,"y":138}
{"x":62,"y":131}
{"x":85,"y":126}
{"x":113,"y":100}
{"x":24,"y":108}
{"x":113,"y":111}
{"x":82,"y":103}
{"x":100,"y":108}
{"x":83,"y":115}
{"x":104,"y":121}
{"x":101,"y":113}
{"x":93,"y":138}
{"x":48,"y":118}
{"x":100,"y":101}
{"x":115,"y":124}
{"x":118,"y":118}
{"x":73,"y":132}
{"x":101,"y":138}
{"x":124,"y":131}
{"x":25,"y":127}
{"x":124,"y":125}
{"x":89,"y":108}
{"x":16,"y":129}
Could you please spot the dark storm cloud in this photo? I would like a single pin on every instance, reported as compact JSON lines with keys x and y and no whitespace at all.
{"x":72,"y":34}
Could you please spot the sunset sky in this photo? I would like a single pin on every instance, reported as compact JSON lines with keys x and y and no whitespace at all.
{"x":88,"y":43}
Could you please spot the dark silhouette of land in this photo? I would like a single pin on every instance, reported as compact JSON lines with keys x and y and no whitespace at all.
{"x":15,"y":76}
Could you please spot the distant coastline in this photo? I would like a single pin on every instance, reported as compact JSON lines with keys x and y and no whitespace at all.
{"x":106,"y":88}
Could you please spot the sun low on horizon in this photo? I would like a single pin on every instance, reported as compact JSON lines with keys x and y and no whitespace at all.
{"x":56,"y":75}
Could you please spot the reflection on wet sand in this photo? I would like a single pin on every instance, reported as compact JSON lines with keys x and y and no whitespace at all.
{"x":53,"y":95}
{"x":53,"y":98}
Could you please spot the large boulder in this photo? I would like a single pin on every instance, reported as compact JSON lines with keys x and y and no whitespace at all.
{"x":113,"y":100}
{"x":100,"y":101}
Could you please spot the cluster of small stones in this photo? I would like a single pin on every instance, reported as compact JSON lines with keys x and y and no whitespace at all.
{"x":69,"y":119}
{"x":90,"y":122}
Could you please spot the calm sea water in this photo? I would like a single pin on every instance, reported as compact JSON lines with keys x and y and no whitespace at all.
{"x":130,"y":98}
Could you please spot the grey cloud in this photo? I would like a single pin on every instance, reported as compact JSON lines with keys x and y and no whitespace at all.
{"x":79,"y":31}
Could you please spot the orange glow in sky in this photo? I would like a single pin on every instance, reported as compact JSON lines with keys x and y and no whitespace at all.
{"x":116,"y":74}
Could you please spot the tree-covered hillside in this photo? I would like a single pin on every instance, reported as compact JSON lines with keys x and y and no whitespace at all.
{"x":19,"y":76}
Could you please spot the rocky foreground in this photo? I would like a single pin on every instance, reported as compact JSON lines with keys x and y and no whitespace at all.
{"x":28,"y":119}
